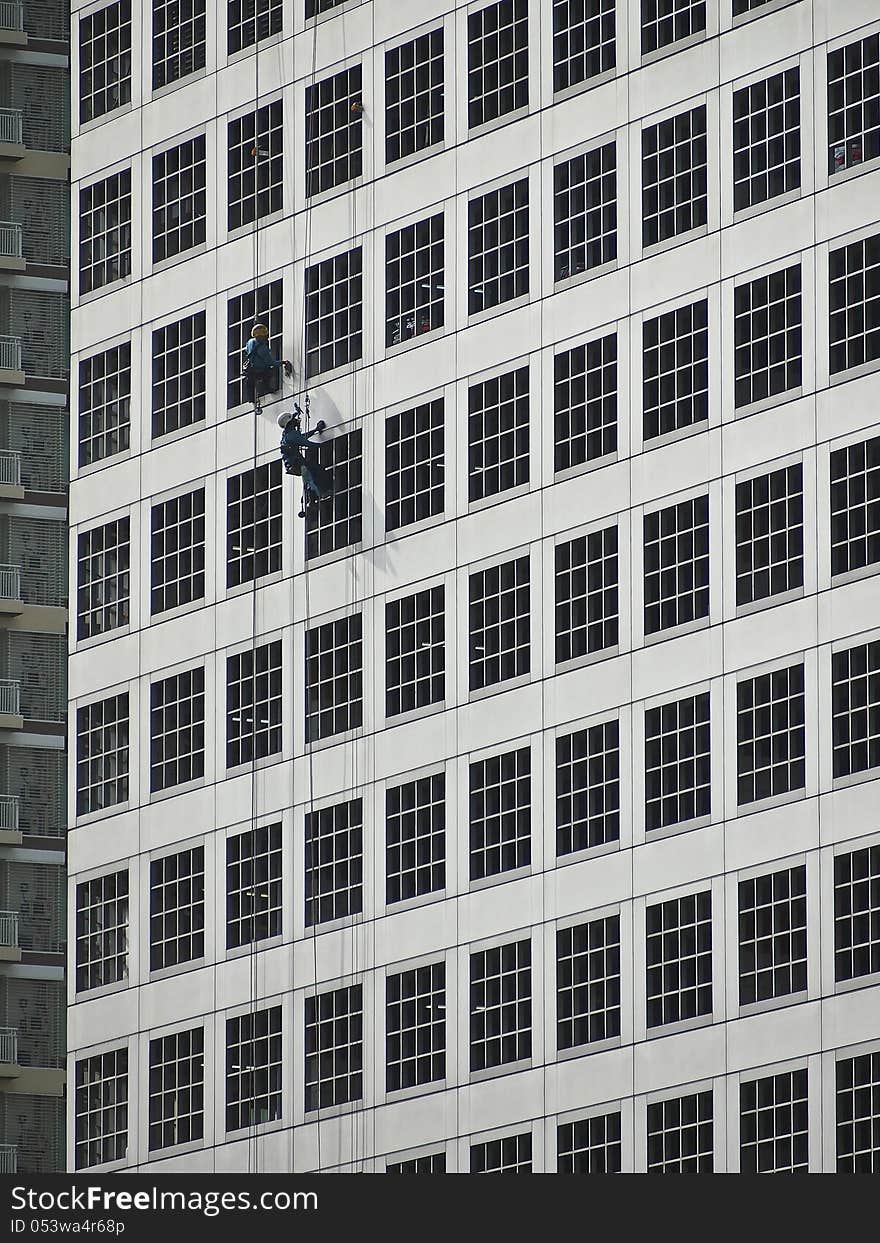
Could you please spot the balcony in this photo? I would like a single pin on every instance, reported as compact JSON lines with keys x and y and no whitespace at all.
{"x":11,"y":133}
{"x":11,"y":243}
{"x":8,"y":1049}
{"x":10,"y":586}
{"x":10,"y":475}
{"x":10,"y":949}
{"x":10,"y":704}
{"x":12,"y":15}
{"x":10,"y":360}
{"x":8,"y":1159}
{"x":9,"y":813}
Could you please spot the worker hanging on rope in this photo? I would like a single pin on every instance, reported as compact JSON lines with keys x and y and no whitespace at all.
{"x":260,"y":366}
{"x":317,"y":482}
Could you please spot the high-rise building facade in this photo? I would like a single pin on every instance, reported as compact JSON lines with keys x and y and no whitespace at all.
{"x":517,"y":809}
{"x":34,"y":376}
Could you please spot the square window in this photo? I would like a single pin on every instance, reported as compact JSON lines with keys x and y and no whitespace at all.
{"x":334,"y":862}
{"x":261,"y":306}
{"x":253,"y":1069}
{"x":415,"y":838}
{"x":177,"y":1089}
{"x":104,"y":60}
{"x":585,"y":211}
{"x":179,"y":39}
{"x":177,"y":729}
{"x":667,"y":21}
{"x":674,"y":195}
{"x":430,"y":1163}
{"x":587,"y":607}
{"x":857,"y":914}
{"x":105,"y":232}
{"x":773,"y":935}
{"x":770,"y":535}
{"x":180,"y":199}
{"x":253,"y":886}
{"x":334,"y":1047}
{"x":498,"y":246}
{"x":855,"y":709}
{"x":766,"y":139}
{"x":585,"y":403}
{"x":501,"y":1005}
{"x":858,"y":1114}
{"x":676,"y":556}
{"x":500,"y":813}
{"x":336,"y":521}
{"x":855,"y":507}
{"x":510,"y":1155}
{"x":102,"y":931}
{"x":774,"y":1124}
{"x":680,"y":1139}
{"x":414,"y":280}
{"x":334,"y":131}
{"x":768,"y":339}
{"x":770,"y":735}
{"x":675,"y":370}
{"x":334,"y":678}
{"x":177,"y":908}
{"x":253,"y":704}
{"x":588,"y":788}
{"x":177,"y":551}
{"x":414,"y":462}
{"x":256,"y":165}
{"x":415,"y":651}
{"x":678,"y":774}
{"x":101,"y":1109}
{"x":414,"y":100}
{"x":103,"y":584}
{"x":254,"y":523}
{"x":248,"y":21}
{"x":104,"y":404}
{"x":179,"y":355}
{"x":498,"y":60}
{"x":854,"y":104}
{"x":334,"y":312}
{"x":583,"y":40}
{"x":589,"y":1146}
{"x":678,"y":957}
{"x":314,"y":8}
{"x":588,"y":982}
{"x":854,"y":304}
{"x":498,"y":434}
{"x":415,"y":1027}
{"x":102,"y":754}
{"x":499,"y":623}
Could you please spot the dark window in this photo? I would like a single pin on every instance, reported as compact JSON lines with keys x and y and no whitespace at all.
{"x":498,"y":434}
{"x":585,"y":211}
{"x":667,"y":21}
{"x":773,"y":935}
{"x":774,"y":1124}
{"x":855,"y":506}
{"x":500,"y":813}
{"x":103,"y":582}
{"x":510,"y":1155}
{"x":253,"y":1068}
{"x":253,"y":524}
{"x":334,"y":1047}
{"x":105,"y":232}
{"x":589,"y":1146}
{"x":101,"y":1109}
{"x":334,"y":131}
{"x":177,"y":1088}
{"x":857,"y":914}
{"x":854,"y":303}
{"x":179,"y":39}
{"x":674,"y":176}
{"x":177,"y":908}
{"x":854,"y":104}
{"x":253,"y":886}
{"x":499,"y":623}
{"x":586,"y":595}
{"x":498,"y":246}
{"x":583,"y":40}
{"x":855,"y":709}
{"x":414,"y":461}
{"x":248,"y":21}
{"x":415,"y":1027}
{"x":336,"y":521}
{"x":678,"y":957}
{"x":414,"y":96}
{"x":102,"y":754}
{"x":501,"y":1005}
{"x":334,"y":312}
{"x":177,"y":729}
{"x":180,"y":199}
{"x":334,"y":862}
{"x":771,"y":735}
{"x":414,"y":280}
{"x":177,"y":551}
{"x":431,"y":1163}
{"x":253,"y":704}
{"x":858,"y":1114}
{"x":588,"y":982}
{"x":415,"y":838}
{"x":104,"y":60}
{"x":770,"y":535}
{"x":334,"y":677}
{"x":678,"y":774}
{"x":179,"y":354}
{"x":680,"y":1137}
{"x":676,"y":565}
{"x":498,"y":60}
{"x":102,"y":931}
{"x":415,"y":651}
{"x":741,"y":7}
{"x":104,"y":404}
{"x":585,"y":403}
{"x":256,"y":165}
{"x":768,"y":344}
{"x":261,"y":306}
{"x":766,"y":139}
{"x":675,"y":365}
{"x":588,"y":788}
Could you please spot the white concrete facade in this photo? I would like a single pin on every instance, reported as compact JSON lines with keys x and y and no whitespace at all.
{"x":733,"y":1043}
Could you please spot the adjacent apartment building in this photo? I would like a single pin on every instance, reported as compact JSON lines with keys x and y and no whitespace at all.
{"x":34,"y":374}
{"x":519,"y":808}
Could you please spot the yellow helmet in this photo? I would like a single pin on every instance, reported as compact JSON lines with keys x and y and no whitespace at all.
{"x":260,"y":331}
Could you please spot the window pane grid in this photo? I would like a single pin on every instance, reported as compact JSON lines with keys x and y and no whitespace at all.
{"x":248,"y":21}
{"x":334,"y":862}
{"x":857,"y":913}
{"x":102,"y":754}
{"x":334,"y":677}
{"x":585,"y":211}
{"x":415,"y":1026}
{"x":336,"y":521}
{"x":675,"y":363}
{"x":770,"y":735}
{"x":102,"y":931}
{"x":588,"y":788}
{"x":414,"y":96}
{"x":773,"y":935}
{"x":588,"y":982}
{"x":334,"y":312}
{"x":105,"y":232}
{"x":774,"y":1124}
{"x":104,"y":60}
{"x":414,"y":280}
{"x":499,"y":629}
{"x":498,"y":434}
{"x":674,"y":194}
{"x":676,"y":554}
{"x":261,"y":306}
{"x":768,"y":342}
{"x":583,"y":40}
{"x":253,"y":1069}
{"x":253,"y":704}
{"x":678,"y":956}
{"x":858,"y":1114}
{"x":180,"y":203}
{"x":179,"y":357}
{"x":667,"y":21}
{"x":254,"y":524}
{"x":510,"y":1155}
{"x":177,"y":1089}
{"x":103,"y":579}
{"x":589,"y":1146}
{"x":500,"y":814}
{"x":101,"y":1109}
{"x":334,"y":131}
{"x":177,"y":908}
{"x":255,"y":145}
{"x":855,"y":506}
{"x":177,"y":551}
{"x":854,"y":304}
{"x":680,"y":1135}
{"x":253,"y":886}
{"x":415,"y":651}
{"x":766,"y":139}
{"x":585,"y":403}
{"x":501,"y":1005}
{"x":177,"y":729}
{"x":854,"y":104}
{"x":334,"y":1049}
{"x":855,"y":709}
{"x":431,"y":1163}
{"x":415,"y":837}
{"x":498,"y":246}
{"x":414,"y":460}
{"x":770,"y":535}
{"x":498,"y":60}
{"x":104,"y":404}
{"x":179,"y":39}
{"x":678,"y":775}
{"x":587,"y":606}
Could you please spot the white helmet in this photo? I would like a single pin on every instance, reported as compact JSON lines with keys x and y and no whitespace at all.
{"x":284,"y":419}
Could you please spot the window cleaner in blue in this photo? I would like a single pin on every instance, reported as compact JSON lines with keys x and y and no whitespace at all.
{"x":260,"y":366}
{"x":317,"y":482}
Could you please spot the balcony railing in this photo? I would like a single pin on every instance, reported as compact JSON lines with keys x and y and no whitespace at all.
{"x":9,"y":930}
{"x":10,"y":353}
{"x":8,"y":1046}
{"x":9,"y":812}
{"x":10,"y":126}
{"x":8,"y":1159}
{"x":11,"y":16}
{"x":10,"y":239}
{"x":10,"y":697}
{"x":10,"y":582}
{"x":10,"y":468}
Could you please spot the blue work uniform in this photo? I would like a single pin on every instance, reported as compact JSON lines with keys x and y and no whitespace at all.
{"x":314,"y":476}
{"x":261,"y":364}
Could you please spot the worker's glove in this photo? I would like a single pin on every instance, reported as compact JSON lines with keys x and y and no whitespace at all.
{"x":320,"y":425}
{"x":288,"y":368}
